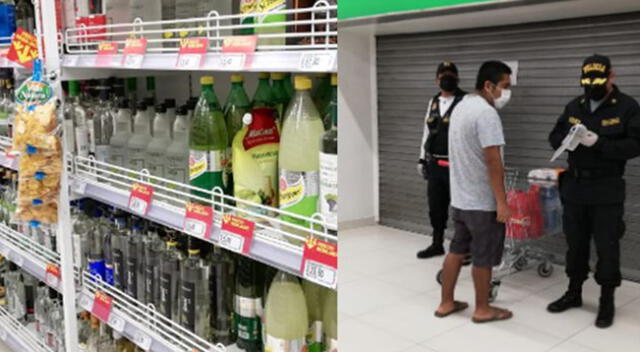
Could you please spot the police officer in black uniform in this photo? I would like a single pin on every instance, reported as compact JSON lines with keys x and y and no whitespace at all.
{"x":434,"y":161}
{"x":593,"y":188}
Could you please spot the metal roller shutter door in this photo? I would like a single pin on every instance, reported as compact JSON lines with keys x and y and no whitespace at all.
{"x":549,"y":56}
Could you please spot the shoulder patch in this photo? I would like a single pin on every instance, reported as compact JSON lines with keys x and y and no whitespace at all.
{"x":611,"y":121}
{"x":574,"y":120}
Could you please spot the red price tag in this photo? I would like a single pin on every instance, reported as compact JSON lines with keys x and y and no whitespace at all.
{"x":198,"y":220}
{"x":106,"y":53}
{"x":236,"y":234}
{"x":52,"y":275}
{"x":133,"y":54}
{"x":102,"y":306}
{"x":320,"y":262}
{"x":237,"y":52}
{"x":140,"y":198}
{"x":192,"y":52}
{"x":23,"y":49}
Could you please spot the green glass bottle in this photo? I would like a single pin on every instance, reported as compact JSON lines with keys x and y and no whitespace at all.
{"x":248,"y":11}
{"x":288,"y":85}
{"x":237,"y":105}
{"x":281,"y":98}
{"x":248,"y":308}
{"x":321,"y":94}
{"x":208,"y":142}
{"x":262,"y":96}
{"x":332,"y":105}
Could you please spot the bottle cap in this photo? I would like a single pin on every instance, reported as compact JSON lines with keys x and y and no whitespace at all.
{"x":194,"y":251}
{"x":206,"y":80}
{"x":237,"y":78}
{"x":170,"y":103}
{"x":74,"y":88}
{"x":334,"y":79}
{"x":263,"y":75}
{"x":161,"y":108}
{"x":123,"y":104}
{"x":171,"y":244}
{"x":141,"y":105}
{"x":182,"y":110}
{"x":277,"y":76}
{"x":247,"y":119}
{"x":303,"y":83}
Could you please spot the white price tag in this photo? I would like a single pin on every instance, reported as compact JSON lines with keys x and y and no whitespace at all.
{"x":3,"y":334}
{"x":316,"y":62}
{"x":86,"y":303}
{"x":142,"y":340}
{"x":320,"y":274}
{"x":5,"y":251}
{"x":79,"y":187}
{"x":71,"y":60}
{"x":51,"y":280}
{"x":195,"y":227}
{"x":133,"y":61}
{"x":17,"y":258}
{"x":233,"y":62}
{"x":138,"y":205}
{"x":189,"y":61}
{"x":116,"y":323}
{"x":231,"y":241}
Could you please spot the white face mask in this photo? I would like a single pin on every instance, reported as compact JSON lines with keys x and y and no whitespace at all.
{"x":503,"y":100}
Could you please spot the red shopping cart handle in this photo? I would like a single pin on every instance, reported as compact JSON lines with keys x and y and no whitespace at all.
{"x":443,"y":163}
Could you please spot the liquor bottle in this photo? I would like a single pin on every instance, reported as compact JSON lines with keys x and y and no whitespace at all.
{"x":84,"y":330}
{"x":25,"y":18}
{"x":248,"y":305}
{"x":54,"y":323}
{"x":119,"y":241}
{"x":4,"y":100}
{"x":299,"y":155}
{"x":151,"y":89}
{"x":153,"y":249}
{"x":121,"y":135}
{"x":137,"y":144}
{"x":332,"y":104}
{"x":40,"y":308}
{"x":195,"y":299}
{"x":102,"y":123}
{"x":80,"y":236}
{"x":286,"y":316}
{"x":330,"y":321}
{"x":209,"y":142}
{"x":329,"y":166}
{"x":266,"y":9}
{"x":107,"y":229}
{"x":314,"y":295}
{"x":281,"y":98}
{"x":288,"y":85}
{"x":96,"y":253}
{"x":16,"y":299}
{"x":262,"y":97}
{"x":78,"y":115}
{"x":178,"y":151}
{"x":170,"y":281}
{"x":157,"y":147}
{"x":236,"y":106}
{"x":132,"y":92}
{"x":302,"y":16}
{"x":222,"y":280}
{"x":170,"y":104}
{"x":321,"y":94}
{"x":134,"y":268}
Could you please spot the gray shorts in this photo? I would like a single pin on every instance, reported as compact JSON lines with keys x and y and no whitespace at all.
{"x":479,"y":233}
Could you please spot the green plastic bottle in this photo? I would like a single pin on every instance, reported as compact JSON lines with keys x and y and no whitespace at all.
{"x":248,"y":12}
{"x":332,"y":106}
{"x":314,"y":295}
{"x":208,"y":142}
{"x":281,"y":98}
{"x":291,"y":92}
{"x":322,"y":91}
{"x":330,"y":321}
{"x":236,"y":106}
{"x":286,"y":316}
{"x":265,"y":15}
{"x":262,"y":97}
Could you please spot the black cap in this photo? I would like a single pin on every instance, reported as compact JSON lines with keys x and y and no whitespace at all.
{"x":192,"y":102}
{"x":182,"y":110}
{"x":149,"y":101}
{"x":161,"y":108}
{"x":170,"y":103}
{"x":595,"y":70}
{"x":447,"y":66}
{"x":123,"y":104}
{"x":141,"y":105}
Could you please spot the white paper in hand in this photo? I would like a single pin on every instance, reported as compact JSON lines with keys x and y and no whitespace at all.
{"x":571,"y":141}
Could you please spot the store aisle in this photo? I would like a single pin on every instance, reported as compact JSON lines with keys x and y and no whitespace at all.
{"x":387,"y":299}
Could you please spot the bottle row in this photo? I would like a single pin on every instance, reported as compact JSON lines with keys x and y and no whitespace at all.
{"x":278,"y":149}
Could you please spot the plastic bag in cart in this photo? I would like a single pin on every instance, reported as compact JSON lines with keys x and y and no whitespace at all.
{"x":526,"y":215}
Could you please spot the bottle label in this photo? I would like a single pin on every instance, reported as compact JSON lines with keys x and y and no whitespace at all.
{"x":96,"y":268}
{"x":69,"y":135}
{"x":92,"y":139}
{"x":149,"y":281}
{"x":165,"y":294}
{"x":274,"y":344}
{"x":198,"y":164}
{"x":132,"y":277}
{"x":262,"y":130}
{"x":137,"y":159}
{"x":206,"y":169}
{"x":248,"y":6}
{"x":329,"y":189}
{"x":299,"y":192}
{"x":118,"y":265}
{"x":82,"y":141}
{"x":315,"y":335}
{"x":271,"y":5}
{"x":246,"y":318}
{"x":108,"y":274}
{"x":188,"y":306}
{"x":102,"y":153}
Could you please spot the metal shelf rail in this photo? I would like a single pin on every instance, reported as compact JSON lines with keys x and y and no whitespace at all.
{"x":17,"y":336}
{"x":279,"y":47}
{"x":276,"y":242}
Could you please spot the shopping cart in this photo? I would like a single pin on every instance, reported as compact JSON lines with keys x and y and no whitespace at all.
{"x":534,"y":200}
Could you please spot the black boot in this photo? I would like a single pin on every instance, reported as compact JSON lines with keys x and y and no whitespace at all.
{"x":435,"y":249}
{"x":571,"y":299}
{"x":607,"y":309}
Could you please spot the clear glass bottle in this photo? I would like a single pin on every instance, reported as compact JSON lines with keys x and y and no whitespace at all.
{"x":40,"y":308}
{"x":157,"y":148}
{"x":96,"y":253}
{"x":119,"y":241}
{"x":153,"y":249}
{"x":222,"y":291}
{"x":194,"y":297}
{"x":121,"y":135}
{"x":170,"y":104}
{"x":178,"y":150}
{"x":78,"y":115}
{"x":170,"y":281}
{"x":330,"y":320}
{"x":286,"y":317}
{"x":134,"y":268}
{"x":16,"y":298}
{"x":137,"y":144}
{"x":329,"y":165}
{"x":80,"y":236}
{"x":103,"y":123}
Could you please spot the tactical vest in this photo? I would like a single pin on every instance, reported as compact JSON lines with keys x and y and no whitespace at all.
{"x":438,"y":141}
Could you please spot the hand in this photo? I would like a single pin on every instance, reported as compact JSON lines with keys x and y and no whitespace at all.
{"x":419,"y":168}
{"x":504,"y":212}
{"x":589,"y":139}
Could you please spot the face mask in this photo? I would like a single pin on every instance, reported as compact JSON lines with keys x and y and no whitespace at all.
{"x":596,"y":93}
{"x":501,"y":102}
{"x":449,"y":83}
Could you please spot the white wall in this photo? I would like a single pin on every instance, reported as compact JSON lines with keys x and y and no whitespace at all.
{"x":357,"y":129}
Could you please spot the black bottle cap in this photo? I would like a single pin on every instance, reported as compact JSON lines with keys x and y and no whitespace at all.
{"x":182,"y":110}
{"x":170,"y":103}
{"x":142,"y":105}
{"x":123,"y":104}
{"x":161,"y":108}
{"x":149,"y":101}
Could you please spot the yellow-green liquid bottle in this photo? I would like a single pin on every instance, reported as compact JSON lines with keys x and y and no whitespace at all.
{"x":281,"y":98}
{"x":286,"y":316}
{"x":330,"y":321}
{"x":265,"y":15}
{"x":314,"y":295}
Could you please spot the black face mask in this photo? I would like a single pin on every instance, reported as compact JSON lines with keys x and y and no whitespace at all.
{"x":449,"y":83}
{"x":596,"y":93}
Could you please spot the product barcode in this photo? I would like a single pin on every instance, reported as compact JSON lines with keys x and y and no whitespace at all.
{"x":133,"y":61}
{"x":189,"y":61}
{"x":86,"y":303}
{"x":231,"y":241}
{"x":320,"y":273}
{"x":138,"y":205}
{"x":195,"y":227}
{"x":317,"y":61}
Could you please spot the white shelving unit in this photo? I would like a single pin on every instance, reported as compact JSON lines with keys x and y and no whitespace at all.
{"x":17,"y":336}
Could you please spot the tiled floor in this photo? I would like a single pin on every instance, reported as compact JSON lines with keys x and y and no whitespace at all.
{"x":387,"y":299}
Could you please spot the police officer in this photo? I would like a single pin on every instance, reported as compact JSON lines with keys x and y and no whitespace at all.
{"x":434,"y":160}
{"x":593,"y":188}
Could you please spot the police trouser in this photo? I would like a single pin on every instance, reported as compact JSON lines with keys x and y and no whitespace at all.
{"x":603,"y":223}
{"x":438,"y":193}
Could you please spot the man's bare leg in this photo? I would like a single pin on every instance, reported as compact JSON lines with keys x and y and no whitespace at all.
{"x":482,"y":284}
{"x":450,"y":272}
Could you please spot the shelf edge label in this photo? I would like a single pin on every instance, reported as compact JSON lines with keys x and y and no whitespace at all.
{"x":237,"y":52}
{"x":317,"y":61}
{"x":320,"y":262}
{"x":52,"y":275}
{"x":140,"y":198}
{"x":106,"y":54}
{"x":198,"y":220}
{"x":192,"y":52}
{"x":134,"y":51}
{"x":237,"y":234}
{"x":102,"y":305}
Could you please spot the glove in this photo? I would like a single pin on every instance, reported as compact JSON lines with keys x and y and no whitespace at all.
{"x":589,"y":139}
{"x":422,"y":169}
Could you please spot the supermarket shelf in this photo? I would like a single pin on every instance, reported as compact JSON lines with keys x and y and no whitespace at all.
{"x":17,"y":336}
{"x":304,"y":40}
{"x":8,"y":159}
{"x":141,"y":323}
{"x":28,"y":254}
{"x":274,"y":243}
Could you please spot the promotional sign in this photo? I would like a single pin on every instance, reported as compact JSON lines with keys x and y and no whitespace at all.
{"x":236,"y":234}
{"x":320,"y":262}
{"x":140,"y":198}
{"x":198,"y":220}
{"x":102,"y":305}
{"x":192,"y":52}
{"x":237,"y":52}
{"x":92,"y":21}
{"x":52,"y":275}
{"x":106,"y":54}
{"x":133,"y":54}
{"x":23,"y":49}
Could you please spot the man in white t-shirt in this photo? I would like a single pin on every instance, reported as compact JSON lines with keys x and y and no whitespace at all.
{"x":478,"y":195}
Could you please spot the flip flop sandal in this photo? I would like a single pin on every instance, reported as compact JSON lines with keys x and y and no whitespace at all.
{"x":457,"y":307}
{"x":498,"y":315}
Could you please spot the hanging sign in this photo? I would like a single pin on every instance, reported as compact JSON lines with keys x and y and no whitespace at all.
{"x":133,"y":54}
{"x":140,"y":198}
{"x":198,"y":220}
{"x":106,"y":54}
{"x":23,"y":49}
{"x":320,"y":262}
{"x":192,"y":53}
{"x":236,"y":234}
{"x":52,"y":275}
{"x":102,"y":305}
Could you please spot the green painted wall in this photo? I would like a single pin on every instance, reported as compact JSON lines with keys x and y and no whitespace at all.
{"x":360,"y":8}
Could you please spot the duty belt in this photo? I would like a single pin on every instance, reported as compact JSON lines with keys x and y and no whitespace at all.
{"x":594,"y":173}
{"x":441,"y":160}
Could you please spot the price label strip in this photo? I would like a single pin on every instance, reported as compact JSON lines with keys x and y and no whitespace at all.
{"x":317,"y":62}
{"x":17,"y":258}
{"x":5,"y":251}
{"x":237,"y":52}
{"x":102,"y":305}
{"x":106,"y":54}
{"x":320,"y":262}
{"x":233,"y":62}
{"x":236,"y":234}
{"x":86,"y":303}
{"x":192,"y":53}
{"x":142,"y":340}
{"x":198,"y":220}
{"x":140,"y":198}
{"x":52,"y":276}
{"x":116,"y":323}
{"x":134,"y":51}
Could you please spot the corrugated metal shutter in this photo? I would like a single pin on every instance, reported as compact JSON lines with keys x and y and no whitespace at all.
{"x":549,"y":54}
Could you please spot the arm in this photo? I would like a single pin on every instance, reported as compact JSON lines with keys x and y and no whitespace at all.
{"x":559,"y":131}
{"x":624,"y":148}
{"x":425,"y":132}
{"x":495,"y":169}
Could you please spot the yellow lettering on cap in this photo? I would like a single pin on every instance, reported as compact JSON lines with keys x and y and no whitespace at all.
{"x":598,"y":67}
{"x":574,"y":120}
{"x":611,"y":121}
